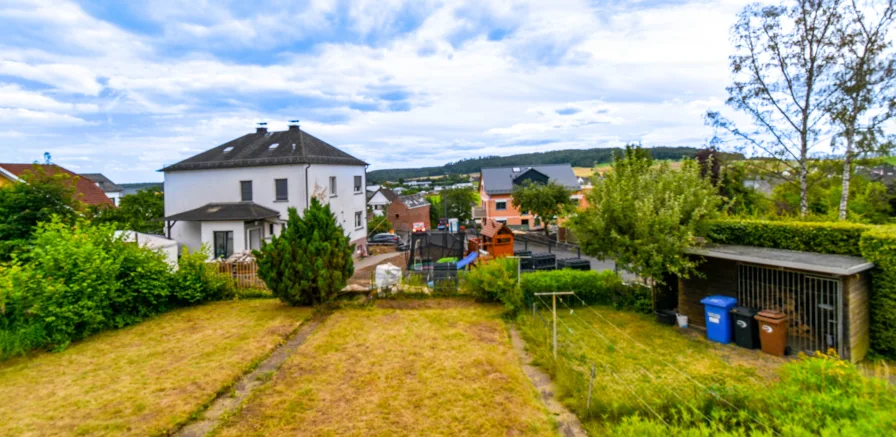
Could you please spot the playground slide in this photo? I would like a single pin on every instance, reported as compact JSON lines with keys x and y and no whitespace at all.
{"x":467,"y":260}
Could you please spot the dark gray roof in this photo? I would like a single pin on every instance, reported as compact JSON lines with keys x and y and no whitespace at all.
{"x":133,"y":188}
{"x":499,"y":180}
{"x":294,"y":146}
{"x":390,"y":195}
{"x":841,"y":265}
{"x":413,"y":200}
{"x":104,"y":183}
{"x":224,"y":212}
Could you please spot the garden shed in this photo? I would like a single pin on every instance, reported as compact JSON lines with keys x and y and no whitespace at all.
{"x":495,"y":238}
{"x":825,"y":297}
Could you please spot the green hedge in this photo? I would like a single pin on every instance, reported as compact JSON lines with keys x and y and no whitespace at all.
{"x":599,"y":288}
{"x":874,"y":243}
{"x":879,"y":246}
{"x":820,"y":237}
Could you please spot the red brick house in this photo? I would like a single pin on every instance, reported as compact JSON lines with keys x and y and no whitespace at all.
{"x":404,"y":211}
{"x":497,"y":185}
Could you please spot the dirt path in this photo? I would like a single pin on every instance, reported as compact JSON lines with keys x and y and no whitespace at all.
{"x":569,"y":423}
{"x":227,"y":403}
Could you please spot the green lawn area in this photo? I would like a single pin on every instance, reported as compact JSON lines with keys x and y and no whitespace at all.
{"x":145,"y":379}
{"x":443,"y":368}
{"x":627,"y":376}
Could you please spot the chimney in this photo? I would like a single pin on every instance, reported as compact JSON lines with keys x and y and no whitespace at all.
{"x":293,"y":125}
{"x":262,"y":128}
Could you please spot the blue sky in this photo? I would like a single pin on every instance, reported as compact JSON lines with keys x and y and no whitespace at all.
{"x":124,"y":88}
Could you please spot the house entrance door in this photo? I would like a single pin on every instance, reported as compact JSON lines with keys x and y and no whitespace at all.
{"x":255,"y":238}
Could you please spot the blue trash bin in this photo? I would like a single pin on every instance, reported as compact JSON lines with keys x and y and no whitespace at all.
{"x":718,"y":322}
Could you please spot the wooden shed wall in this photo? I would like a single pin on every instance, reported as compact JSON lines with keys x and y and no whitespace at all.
{"x":856,"y":294}
{"x":719,"y":277}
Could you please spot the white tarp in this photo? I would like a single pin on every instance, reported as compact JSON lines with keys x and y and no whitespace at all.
{"x":387,"y":275}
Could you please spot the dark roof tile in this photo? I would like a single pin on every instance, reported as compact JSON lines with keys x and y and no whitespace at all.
{"x":225,"y":211}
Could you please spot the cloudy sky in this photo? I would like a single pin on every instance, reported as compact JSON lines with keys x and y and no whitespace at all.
{"x":124,"y":88}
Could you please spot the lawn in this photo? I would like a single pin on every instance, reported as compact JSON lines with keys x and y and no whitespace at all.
{"x":445,"y":367}
{"x":661,"y":374}
{"x":145,"y":379}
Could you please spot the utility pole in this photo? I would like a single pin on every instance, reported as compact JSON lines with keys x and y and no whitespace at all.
{"x":554,"y":311}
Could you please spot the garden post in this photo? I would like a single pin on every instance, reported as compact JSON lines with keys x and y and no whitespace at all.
{"x":555,"y":325}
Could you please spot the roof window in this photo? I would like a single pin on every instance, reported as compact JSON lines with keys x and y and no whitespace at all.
{"x":273,"y":146}
{"x":228,"y":149}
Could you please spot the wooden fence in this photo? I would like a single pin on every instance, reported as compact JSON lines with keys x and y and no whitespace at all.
{"x":244,"y":274}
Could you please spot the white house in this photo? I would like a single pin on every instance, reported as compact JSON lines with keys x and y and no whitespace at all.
{"x":113,"y":191}
{"x":380,"y":200}
{"x":237,"y":194}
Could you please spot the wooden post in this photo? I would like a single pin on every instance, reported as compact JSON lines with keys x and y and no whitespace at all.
{"x":590,"y":386}
{"x":554,"y":311}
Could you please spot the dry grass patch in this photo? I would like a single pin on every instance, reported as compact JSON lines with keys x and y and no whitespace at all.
{"x":145,"y":379}
{"x":434,"y":371}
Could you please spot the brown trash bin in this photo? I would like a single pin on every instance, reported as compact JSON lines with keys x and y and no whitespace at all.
{"x":772,"y":331}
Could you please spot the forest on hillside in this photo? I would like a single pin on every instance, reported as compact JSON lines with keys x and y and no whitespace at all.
{"x":576,"y":157}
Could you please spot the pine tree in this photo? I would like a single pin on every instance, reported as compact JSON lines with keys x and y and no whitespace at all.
{"x":310,"y":261}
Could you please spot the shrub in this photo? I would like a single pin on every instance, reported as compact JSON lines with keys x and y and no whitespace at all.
{"x":879,"y":246}
{"x":198,"y":280}
{"x":601,"y":288}
{"x":495,"y":281}
{"x":822,"y":237}
{"x":310,"y":261}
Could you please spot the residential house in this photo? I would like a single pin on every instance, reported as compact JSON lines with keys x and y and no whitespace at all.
{"x":113,"y":191}
{"x":418,"y":184}
{"x":236,"y":195}
{"x":379,"y":201}
{"x":404,"y":211}
{"x":497,"y":185}
{"x":88,"y":192}
{"x":884,"y":173}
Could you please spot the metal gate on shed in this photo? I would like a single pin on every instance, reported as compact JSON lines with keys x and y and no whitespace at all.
{"x":813,"y":304}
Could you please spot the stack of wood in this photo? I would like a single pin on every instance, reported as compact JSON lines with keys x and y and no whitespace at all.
{"x":240,"y":257}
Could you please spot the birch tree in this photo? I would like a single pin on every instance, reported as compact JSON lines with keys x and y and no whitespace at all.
{"x":783,"y":67}
{"x":865,"y":96}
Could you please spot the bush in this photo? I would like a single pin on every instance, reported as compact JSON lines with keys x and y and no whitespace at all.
{"x":495,"y":281}
{"x":310,"y":262}
{"x":822,"y":237}
{"x":601,"y":288}
{"x":879,"y":246}
{"x":79,"y":280}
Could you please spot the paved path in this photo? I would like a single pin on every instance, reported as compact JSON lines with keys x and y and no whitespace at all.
{"x":374,"y":260}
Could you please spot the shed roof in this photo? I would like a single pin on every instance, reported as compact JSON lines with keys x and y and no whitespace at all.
{"x":492,"y":228}
{"x":840,"y":265}
{"x":224,"y":212}
{"x":499,"y":180}
{"x":413,"y":200}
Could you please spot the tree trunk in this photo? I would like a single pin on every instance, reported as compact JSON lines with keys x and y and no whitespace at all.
{"x":804,"y":189}
{"x":847,"y":172}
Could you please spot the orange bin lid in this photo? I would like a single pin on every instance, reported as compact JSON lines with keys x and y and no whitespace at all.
{"x":771,"y":315}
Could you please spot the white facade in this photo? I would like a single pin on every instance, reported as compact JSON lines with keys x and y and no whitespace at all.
{"x":378,"y":203}
{"x":190,"y":189}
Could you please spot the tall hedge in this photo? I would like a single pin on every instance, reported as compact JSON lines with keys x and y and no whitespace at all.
{"x":879,"y":246}
{"x":820,"y":237}
{"x":874,"y":243}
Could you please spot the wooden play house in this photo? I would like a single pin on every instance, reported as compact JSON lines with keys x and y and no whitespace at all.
{"x":495,"y":238}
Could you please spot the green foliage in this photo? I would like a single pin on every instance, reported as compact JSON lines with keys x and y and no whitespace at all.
{"x":495,"y":281}
{"x":39,"y":198}
{"x":78,"y":280}
{"x":645,"y":216}
{"x":141,"y":212}
{"x":821,"y":237}
{"x":879,"y":246}
{"x":378,"y":225}
{"x":460,"y":204}
{"x":310,"y":261}
{"x":547,"y":201}
{"x":574,"y":157}
{"x":601,"y":288}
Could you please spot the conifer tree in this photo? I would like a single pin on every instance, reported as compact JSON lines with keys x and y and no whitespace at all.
{"x":310,"y":261}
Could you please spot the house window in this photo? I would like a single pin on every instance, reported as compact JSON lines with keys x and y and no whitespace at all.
{"x":280,"y":189}
{"x":246,"y":191}
{"x":501,"y":205}
{"x":358,"y":220}
{"x":357,"y":184}
{"x":502,"y":221}
{"x":332,"y":185}
{"x":223,"y":244}
{"x":272,"y":229}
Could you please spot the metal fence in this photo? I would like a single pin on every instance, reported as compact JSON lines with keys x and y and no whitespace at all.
{"x":244,"y":274}
{"x":813,"y":304}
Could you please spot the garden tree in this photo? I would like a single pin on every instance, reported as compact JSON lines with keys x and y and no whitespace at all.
{"x":644,"y":216}
{"x":460,"y":202}
{"x":141,"y":212}
{"x":784,"y":62}
{"x":38,"y":198}
{"x":547,"y":201}
{"x":865,"y":95}
{"x":310,"y":261}
{"x":378,"y":224}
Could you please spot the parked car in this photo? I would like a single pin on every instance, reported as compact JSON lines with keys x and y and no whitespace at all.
{"x":418,"y":227}
{"x":385,"y":238}
{"x":443,"y":224}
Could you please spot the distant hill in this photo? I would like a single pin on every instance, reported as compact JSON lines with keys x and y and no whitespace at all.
{"x":576,"y":157}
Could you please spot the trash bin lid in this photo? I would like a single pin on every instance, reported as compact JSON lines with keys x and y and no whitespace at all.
{"x":744,"y":311}
{"x":771,"y":315}
{"x":719,"y":301}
